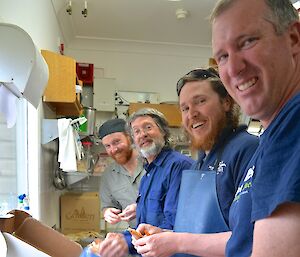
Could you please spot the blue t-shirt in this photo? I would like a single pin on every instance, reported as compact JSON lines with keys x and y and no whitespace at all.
{"x":158,"y":192}
{"x":233,"y":151}
{"x":272,"y":178}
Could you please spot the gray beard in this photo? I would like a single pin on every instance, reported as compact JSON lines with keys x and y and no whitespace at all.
{"x":153,"y":150}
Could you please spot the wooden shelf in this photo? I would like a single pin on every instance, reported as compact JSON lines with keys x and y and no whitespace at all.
{"x":60,"y":93}
{"x":171,"y":111}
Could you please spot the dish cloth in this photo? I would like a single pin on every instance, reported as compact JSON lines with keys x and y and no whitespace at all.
{"x":66,"y":151}
{"x":70,"y":146}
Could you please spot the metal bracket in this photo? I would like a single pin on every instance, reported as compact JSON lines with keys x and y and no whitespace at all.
{"x":49,"y":130}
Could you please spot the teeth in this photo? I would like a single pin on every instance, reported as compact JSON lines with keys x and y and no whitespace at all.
{"x":197,"y":125}
{"x":246,"y":85}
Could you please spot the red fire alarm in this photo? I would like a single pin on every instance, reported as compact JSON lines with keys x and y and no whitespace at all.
{"x":85,"y":72}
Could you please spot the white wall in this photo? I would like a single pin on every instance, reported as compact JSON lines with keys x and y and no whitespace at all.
{"x":138,"y":66}
{"x":37,"y":18}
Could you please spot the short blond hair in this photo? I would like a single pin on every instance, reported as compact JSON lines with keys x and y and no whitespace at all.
{"x":281,"y":13}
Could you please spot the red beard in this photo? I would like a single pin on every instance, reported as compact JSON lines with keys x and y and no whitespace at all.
{"x":207,"y":142}
{"x":123,"y":156}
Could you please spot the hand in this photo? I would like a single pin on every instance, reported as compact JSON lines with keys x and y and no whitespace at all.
{"x":111,"y":215}
{"x":157,"y":245}
{"x":146,"y":229}
{"x":114,"y":245}
{"x":129,"y":213}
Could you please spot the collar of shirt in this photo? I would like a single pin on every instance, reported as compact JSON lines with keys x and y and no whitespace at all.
{"x":158,"y":161}
{"x":225,"y":136}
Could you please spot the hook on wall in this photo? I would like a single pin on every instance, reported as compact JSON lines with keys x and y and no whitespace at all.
{"x":85,"y":11}
{"x":69,"y":8}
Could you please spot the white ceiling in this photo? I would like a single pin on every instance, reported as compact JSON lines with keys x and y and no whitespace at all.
{"x":137,"y":20}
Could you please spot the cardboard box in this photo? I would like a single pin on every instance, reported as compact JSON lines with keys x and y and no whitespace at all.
{"x":80,"y":212}
{"x":33,"y":238}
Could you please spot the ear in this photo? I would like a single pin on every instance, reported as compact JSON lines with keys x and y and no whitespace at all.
{"x":227,"y":103}
{"x":294,"y":37}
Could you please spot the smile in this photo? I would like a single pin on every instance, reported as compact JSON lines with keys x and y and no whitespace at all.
{"x":146,"y":142}
{"x":197,"y":125}
{"x":247,"y":85}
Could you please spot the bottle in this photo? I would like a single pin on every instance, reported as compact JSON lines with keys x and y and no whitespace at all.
{"x":20,"y":201}
{"x":23,"y":203}
{"x":26,"y":204}
{"x":88,"y":157}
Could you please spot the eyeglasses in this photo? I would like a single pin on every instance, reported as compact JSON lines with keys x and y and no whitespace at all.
{"x":196,"y":74}
{"x":146,"y":128}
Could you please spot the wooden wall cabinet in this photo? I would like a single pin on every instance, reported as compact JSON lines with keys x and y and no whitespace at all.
{"x":60,"y":93}
{"x":171,"y":111}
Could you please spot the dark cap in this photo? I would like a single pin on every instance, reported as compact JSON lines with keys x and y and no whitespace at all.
{"x":111,"y":126}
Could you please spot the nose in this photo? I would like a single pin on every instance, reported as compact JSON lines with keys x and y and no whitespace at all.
{"x":143,"y":133}
{"x":192,"y":112}
{"x":235,"y":65}
{"x":114,"y":149}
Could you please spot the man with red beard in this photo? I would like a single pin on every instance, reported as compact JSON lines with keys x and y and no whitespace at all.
{"x":159,"y":188}
{"x":120,"y":181}
{"x":210,"y":117}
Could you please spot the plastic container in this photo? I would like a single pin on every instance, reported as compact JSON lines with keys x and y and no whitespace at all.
{"x":88,"y":156}
{"x":23,"y":203}
{"x":88,"y":127}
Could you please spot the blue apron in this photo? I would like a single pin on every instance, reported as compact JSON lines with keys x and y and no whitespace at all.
{"x":198,"y":208}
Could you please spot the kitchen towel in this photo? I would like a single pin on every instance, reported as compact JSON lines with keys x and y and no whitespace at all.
{"x":66,"y":151}
{"x":70,"y":146}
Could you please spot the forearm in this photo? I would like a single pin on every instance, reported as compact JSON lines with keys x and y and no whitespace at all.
{"x":204,"y":245}
{"x":278,"y":235}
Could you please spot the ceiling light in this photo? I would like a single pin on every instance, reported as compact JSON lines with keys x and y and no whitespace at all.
{"x":181,"y":14}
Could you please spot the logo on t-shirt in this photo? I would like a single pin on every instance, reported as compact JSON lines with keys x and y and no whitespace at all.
{"x":220,"y":168}
{"x":246,"y":184}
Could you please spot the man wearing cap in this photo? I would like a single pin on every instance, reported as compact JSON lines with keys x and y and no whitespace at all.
{"x":120,"y":181}
{"x":158,"y":193}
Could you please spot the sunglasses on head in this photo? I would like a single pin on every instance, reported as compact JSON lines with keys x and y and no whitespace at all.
{"x":197,"y":74}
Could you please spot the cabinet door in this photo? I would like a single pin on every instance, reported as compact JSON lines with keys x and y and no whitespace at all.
{"x":104,"y":94}
{"x":171,"y":111}
{"x":60,"y":92}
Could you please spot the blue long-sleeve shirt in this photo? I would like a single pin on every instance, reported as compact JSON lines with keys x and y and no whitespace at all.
{"x":159,"y":189}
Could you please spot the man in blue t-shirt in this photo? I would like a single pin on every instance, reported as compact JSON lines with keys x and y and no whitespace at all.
{"x":256,"y":45}
{"x":211,"y":117}
{"x":159,"y":187}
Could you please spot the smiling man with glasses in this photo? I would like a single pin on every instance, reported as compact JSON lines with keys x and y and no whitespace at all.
{"x":159,"y":188}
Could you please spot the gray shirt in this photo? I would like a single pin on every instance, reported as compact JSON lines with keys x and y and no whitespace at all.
{"x":118,"y":188}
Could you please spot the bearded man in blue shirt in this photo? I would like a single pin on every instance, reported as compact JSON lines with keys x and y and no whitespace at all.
{"x":211,"y":118}
{"x":159,"y":188}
